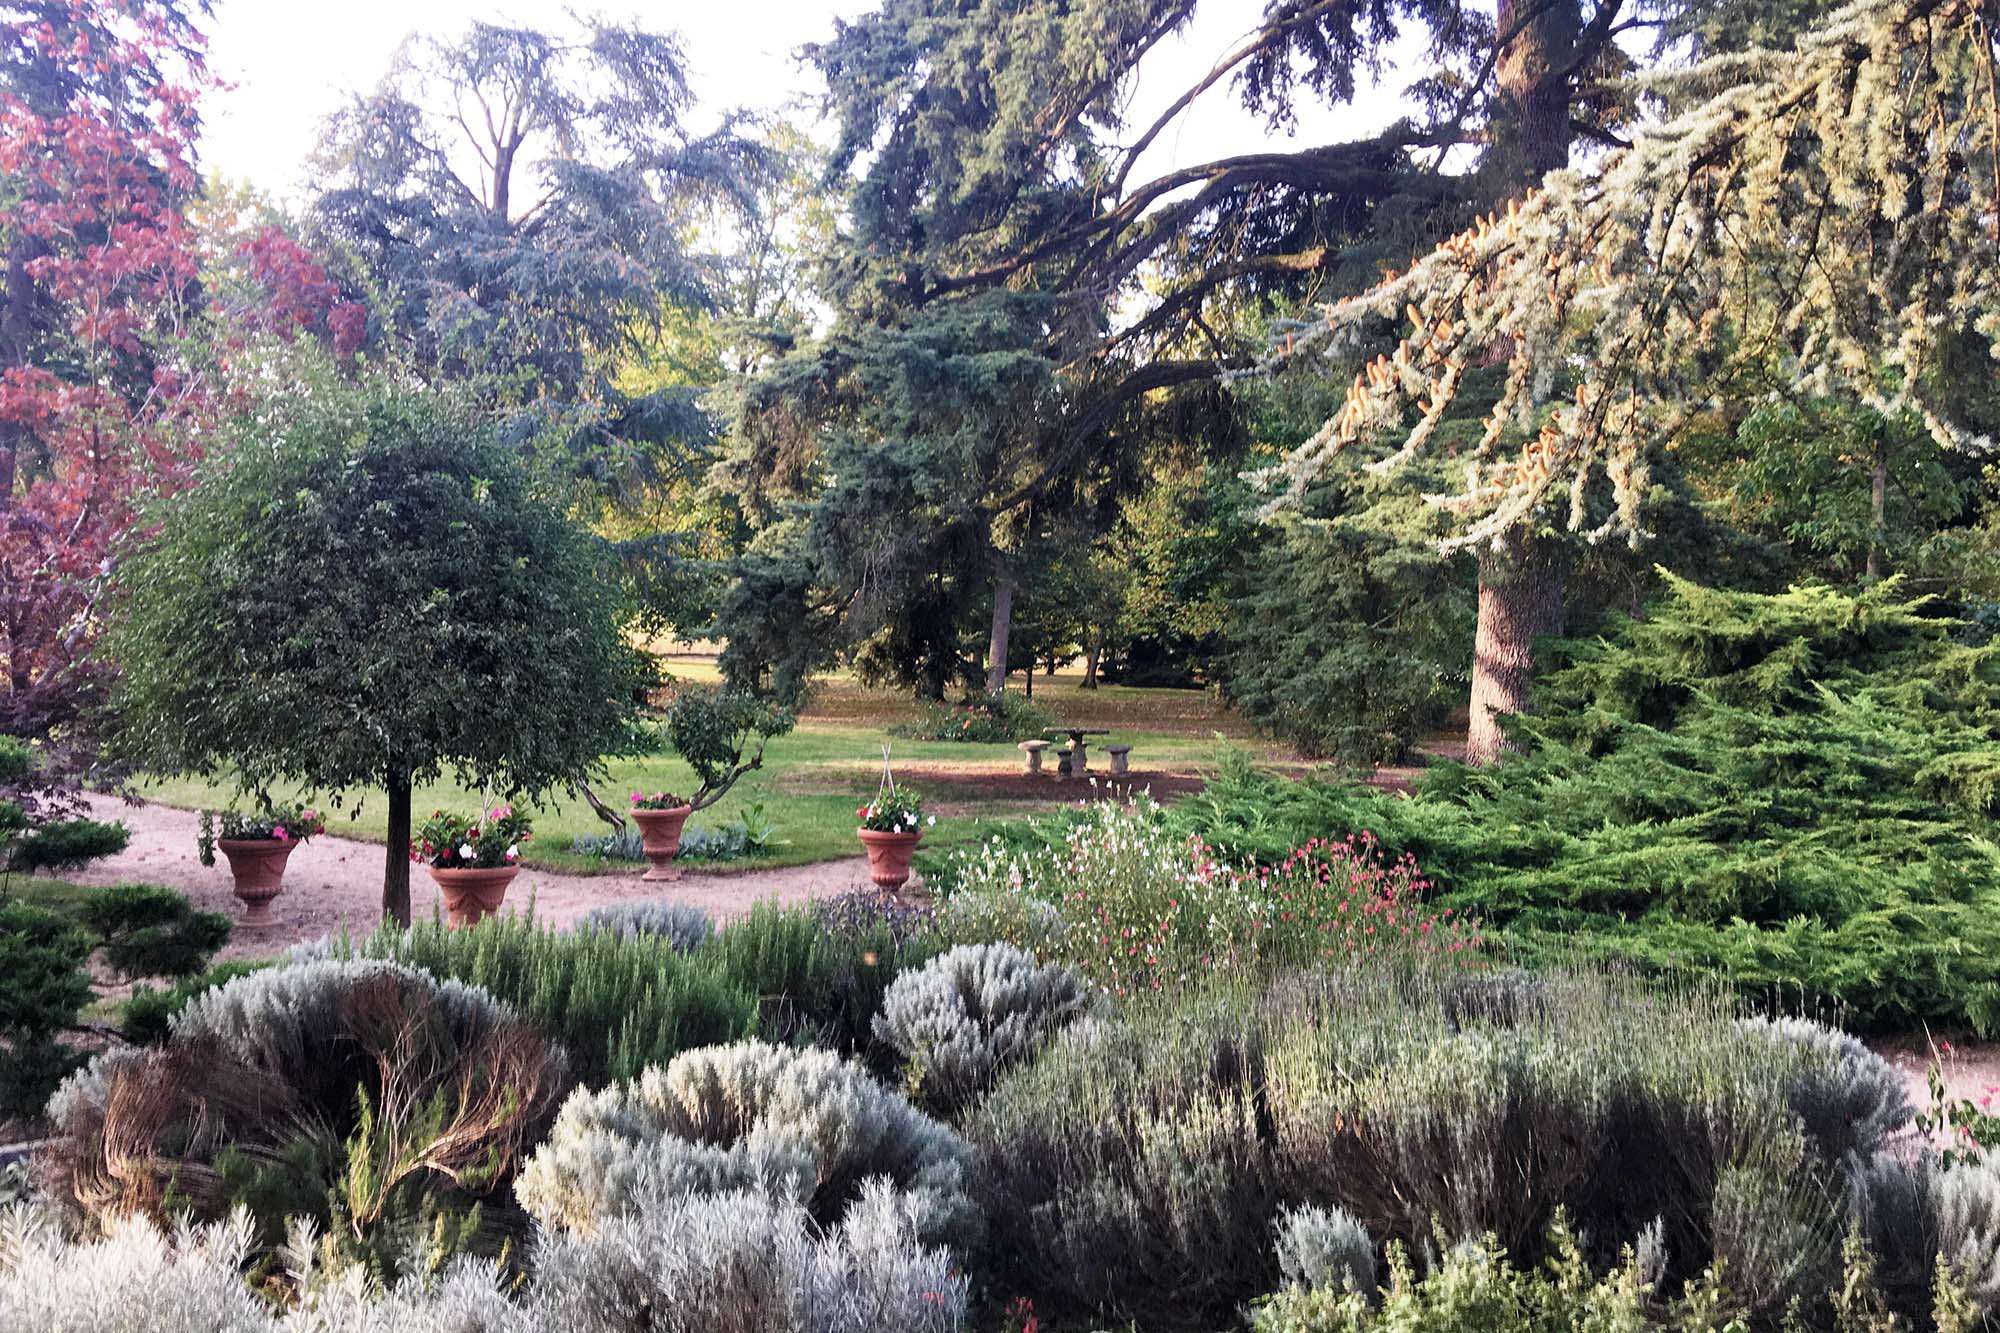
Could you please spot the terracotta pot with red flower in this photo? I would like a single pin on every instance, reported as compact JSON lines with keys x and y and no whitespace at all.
{"x":473,"y":860}
{"x":257,"y":846}
{"x":720,"y":734}
{"x":891,"y":827}
{"x":661,"y":817}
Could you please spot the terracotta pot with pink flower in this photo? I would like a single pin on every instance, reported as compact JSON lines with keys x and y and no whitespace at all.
{"x":472,"y":859}
{"x":720,"y":734}
{"x":257,"y":846}
{"x":661,"y":816}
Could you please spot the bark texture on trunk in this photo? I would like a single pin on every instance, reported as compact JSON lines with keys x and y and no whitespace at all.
{"x":1521,"y":584}
{"x":1878,"y":509}
{"x":1520,"y":600}
{"x":1531,"y":129}
{"x":396,"y":869}
{"x":996,"y":644}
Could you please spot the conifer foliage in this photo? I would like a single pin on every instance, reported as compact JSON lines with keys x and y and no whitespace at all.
{"x":1827,"y":213}
{"x":1795,"y":791}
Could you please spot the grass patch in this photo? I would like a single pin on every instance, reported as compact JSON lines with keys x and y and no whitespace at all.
{"x":814,"y":777}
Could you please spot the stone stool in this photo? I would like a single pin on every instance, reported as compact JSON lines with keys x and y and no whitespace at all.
{"x":1032,"y":752}
{"x":1120,"y":759}
{"x":1063,"y":762}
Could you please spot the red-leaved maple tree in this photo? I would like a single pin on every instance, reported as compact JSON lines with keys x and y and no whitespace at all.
{"x":113,"y":358}
{"x":102,"y":394}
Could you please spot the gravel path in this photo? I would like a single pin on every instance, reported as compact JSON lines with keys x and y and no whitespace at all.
{"x":331,"y":882}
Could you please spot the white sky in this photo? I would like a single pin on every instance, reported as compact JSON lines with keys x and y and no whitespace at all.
{"x":293,"y":63}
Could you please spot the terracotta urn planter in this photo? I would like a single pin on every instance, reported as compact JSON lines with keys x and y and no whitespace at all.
{"x":660,"y":832}
{"x":258,"y":866}
{"x":473,"y":893}
{"x":889,"y":856}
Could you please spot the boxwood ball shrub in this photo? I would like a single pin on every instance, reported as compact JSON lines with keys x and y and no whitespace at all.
{"x":969,"y":1013}
{"x":364,"y":1094}
{"x":803,"y":1125}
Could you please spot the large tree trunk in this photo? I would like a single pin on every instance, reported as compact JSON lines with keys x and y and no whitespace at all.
{"x":1091,"y":658}
{"x":996,"y":645}
{"x":1878,"y":509}
{"x":17,"y":321}
{"x":1531,"y":130}
{"x":396,"y":870}
{"x":1520,"y":600}
{"x":1521,"y":584}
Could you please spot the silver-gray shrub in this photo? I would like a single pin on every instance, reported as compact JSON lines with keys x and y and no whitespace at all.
{"x":1325,"y":1247}
{"x":683,"y":925}
{"x":1915,"y":1210}
{"x":970,"y":1013}
{"x":801,"y":1125}
{"x":733,"y":1263}
{"x":1849,"y":1098}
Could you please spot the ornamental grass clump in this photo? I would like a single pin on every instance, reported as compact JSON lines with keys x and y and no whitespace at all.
{"x":618,"y":1001}
{"x":971,"y":1013}
{"x":365,"y":1095}
{"x":801,"y":1125}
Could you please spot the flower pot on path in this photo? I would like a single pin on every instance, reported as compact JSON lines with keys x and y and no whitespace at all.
{"x":889,"y":856}
{"x":258,"y":867}
{"x":473,"y":893}
{"x":660,"y":833}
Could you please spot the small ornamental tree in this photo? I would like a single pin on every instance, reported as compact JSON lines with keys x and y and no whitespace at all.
{"x":711,"y":730}
{"x":371,"y":593}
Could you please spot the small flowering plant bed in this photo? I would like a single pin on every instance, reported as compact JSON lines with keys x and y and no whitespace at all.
{"x":1968,"y":1129}
{"x":1138,"y":908}
{"x":895,"y":810}
{"x":274,"y":823}
{"x":659,"y":800}
{"x":452,"y":841}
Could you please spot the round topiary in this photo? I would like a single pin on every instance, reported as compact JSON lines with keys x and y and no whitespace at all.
{"x":971,"y":1013}
{"x":802,"y":1124}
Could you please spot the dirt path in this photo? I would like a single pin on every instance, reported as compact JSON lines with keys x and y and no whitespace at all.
{"x":331,"y":882}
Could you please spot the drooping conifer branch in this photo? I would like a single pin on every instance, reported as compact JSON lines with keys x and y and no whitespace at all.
{"x":1828,"y":215}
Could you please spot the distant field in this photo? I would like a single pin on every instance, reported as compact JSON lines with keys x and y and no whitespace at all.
{"x":814,"y":777}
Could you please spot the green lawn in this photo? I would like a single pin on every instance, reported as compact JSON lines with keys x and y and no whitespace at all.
{"x":814,"y":777}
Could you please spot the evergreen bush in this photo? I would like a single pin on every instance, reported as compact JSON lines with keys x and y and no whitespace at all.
{"x":971,"y":1013}
{"x":618,"y":1002}
{"x":135,"y":930}
{"x":1795,"y":791}
{"x":803,"y":1125}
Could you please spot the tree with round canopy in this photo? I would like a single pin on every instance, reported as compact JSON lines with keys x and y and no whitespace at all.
{"x":371,"y":589}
